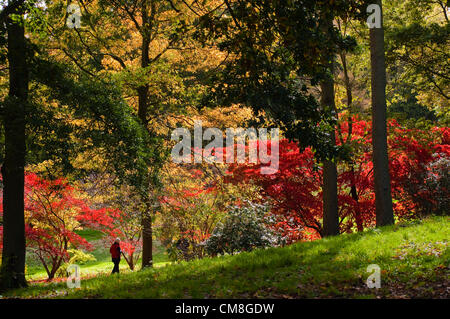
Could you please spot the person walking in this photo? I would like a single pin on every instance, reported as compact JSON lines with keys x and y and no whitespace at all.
{"x":115,"y":255}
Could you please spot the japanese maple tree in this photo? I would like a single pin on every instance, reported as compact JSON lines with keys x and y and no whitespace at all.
{"x":115,"y":223}
{"x":51,"y":208}
{"x":418,"y":159}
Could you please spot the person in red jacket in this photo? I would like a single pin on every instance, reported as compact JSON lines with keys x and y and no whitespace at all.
{"x":115,"y":255}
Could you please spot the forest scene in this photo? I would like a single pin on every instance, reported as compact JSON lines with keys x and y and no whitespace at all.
{"x":210,"y":149}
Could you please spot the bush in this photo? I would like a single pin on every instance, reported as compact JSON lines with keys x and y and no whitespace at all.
{"x":437,"y":183}
{"x":190,"y":246}
{"x":243,"y":229}
{"x":78,"y":257}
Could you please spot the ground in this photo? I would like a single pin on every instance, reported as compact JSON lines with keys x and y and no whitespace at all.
{"x":413,"y":258}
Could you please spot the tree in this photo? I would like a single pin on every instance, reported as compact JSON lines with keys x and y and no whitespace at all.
{"x":12,"y":272}
{"x":116,"y":212}
{"x":52,"y":209}
{"x":136,"y":54}
{"x":416,"y":34}
{"x":282,"y":50}
{"x":383,"y":196}
{"x":92,"y":100}
{"x":330,"y":192}
{"x":419,"y":159}
{"x":115,"y":223}
{"x":195,"y":197}
{"x":294,"y":192}
{"x":192,"y":204}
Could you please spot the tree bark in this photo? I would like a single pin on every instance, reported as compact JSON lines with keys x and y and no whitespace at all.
{"x":147,"y":241}
{"x":13,"y":257}
{"x":330,"y":196}
{"x":382,"y":181}
{"x":147,"y":232}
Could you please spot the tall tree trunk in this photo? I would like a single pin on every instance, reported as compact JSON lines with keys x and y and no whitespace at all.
{"x":13,"y":257}
{"x":382,"y":181}
{"x":147,"y":241}
{"x":330,"y":197}
{"x":355,"y":197}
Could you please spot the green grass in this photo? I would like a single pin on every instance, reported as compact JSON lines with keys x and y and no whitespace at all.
{"x":90,"y":234}
{"x":413,"y":257}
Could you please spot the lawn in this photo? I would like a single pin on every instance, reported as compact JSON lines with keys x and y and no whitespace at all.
{"x":413,"y":257}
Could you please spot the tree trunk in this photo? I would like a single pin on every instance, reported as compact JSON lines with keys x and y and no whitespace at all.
{"x":131,"y":264}
{"x":13,"y":256}
{"x":383,"y":199}
{"x":147,"y":241}
{"x":330,"y":197}
{"x":354,"y":193}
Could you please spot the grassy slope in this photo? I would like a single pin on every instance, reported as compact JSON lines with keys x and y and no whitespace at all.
{"x":414,"y":259}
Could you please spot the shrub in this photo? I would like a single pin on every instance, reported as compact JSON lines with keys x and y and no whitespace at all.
{"x":418,"y":164}
{"x":191,"y":245}
{"x":243,"y":229}
{"x":437,"y":184}
{"x":78,"y":257}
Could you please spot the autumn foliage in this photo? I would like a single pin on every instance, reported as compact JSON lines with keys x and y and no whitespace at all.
{"x":419,"y":167}
{"x":51,"y":210}
{"x":54,"y":211}
{"x":295,"y":191}
{"x":116,"y":223}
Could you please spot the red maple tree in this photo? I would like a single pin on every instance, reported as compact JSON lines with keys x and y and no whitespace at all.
{"x":51,"y":207}
{"x":115,"y":223}
{"x":295,"y":192}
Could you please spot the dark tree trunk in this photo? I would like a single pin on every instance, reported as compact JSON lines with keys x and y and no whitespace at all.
{"x":131,"y":263}
{"x":330,"y":196}
{"x":354,"y":193}
{"x":13,"y":256}
{"x":330,"y":200}
{"x":382,"y":181}
{"x":147,"y":241}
